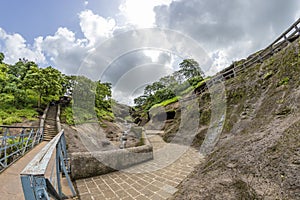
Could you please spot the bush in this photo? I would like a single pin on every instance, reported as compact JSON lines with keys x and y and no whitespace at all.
{"x":12,"y":119}
{"x":67,"y":116}
{"x":166,"y":102}
{"x":195,"y":80}
{"x":27,"y":113}
{"x":104,"y":115}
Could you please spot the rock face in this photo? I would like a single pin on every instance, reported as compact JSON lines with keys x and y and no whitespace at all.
{"x":258,"y":153}
{"x":88,"y":164}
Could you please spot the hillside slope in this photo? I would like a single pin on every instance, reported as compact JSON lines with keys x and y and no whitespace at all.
{"x":258,"y":154}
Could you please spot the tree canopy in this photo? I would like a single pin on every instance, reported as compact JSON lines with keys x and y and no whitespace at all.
{"x":26,"y":85}
{"x":188,"y":75}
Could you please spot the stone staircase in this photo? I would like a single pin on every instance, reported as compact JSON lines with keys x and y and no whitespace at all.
{"x":50,"y":129}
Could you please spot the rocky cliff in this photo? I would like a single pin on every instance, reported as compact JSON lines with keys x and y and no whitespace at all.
{"x":257,"y":155}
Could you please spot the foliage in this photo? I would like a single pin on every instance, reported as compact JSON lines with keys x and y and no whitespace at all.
{"x":141,"y":100}
{"x":1,"y":57}
{"x":186,"y":79}
{"x":86,"y":91}
{"x":24,"y":85}
{"x":46,"y":82}
{"x":103,"y":96}
{"x":67,"y":115}
{"x":193,"y":81}
{"x":166,"y":102}
{"x":284,"y":81}
{"x":11,"y":119}
{"x":190,"y":68}
{"x":11,"y":115}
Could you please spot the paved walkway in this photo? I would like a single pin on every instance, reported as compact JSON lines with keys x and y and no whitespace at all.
{"x":156,"y":179}
{"x":10,"y":181}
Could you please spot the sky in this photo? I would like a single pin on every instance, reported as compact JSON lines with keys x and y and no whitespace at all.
{"x":132,"y":43}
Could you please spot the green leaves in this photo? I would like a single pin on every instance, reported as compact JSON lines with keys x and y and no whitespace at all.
{"x":190,"y":68}
{"x":24,"y":85}
{"x":1,"y":57}
{"x":91,"y":97}
{"x":169,"y":86}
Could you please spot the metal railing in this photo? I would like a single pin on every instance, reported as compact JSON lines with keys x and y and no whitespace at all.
{"x":291,"y":34}
{"x":16,"y":141}
{"x":42,"y":177}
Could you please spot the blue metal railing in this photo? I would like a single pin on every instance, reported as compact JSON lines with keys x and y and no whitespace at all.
{"x":15,"y":141}
{"x":41,"y":179}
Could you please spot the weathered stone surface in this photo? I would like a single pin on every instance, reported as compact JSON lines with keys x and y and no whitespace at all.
{"x":87,"y":164}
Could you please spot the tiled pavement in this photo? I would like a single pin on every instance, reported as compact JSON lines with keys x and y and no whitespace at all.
{"x":155,"y":179}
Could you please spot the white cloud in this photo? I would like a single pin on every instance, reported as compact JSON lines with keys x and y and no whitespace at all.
{"x":2,"y":34}
{"x":229,"y":36}
{"x":94,"y":27}
{"x":15,"y":47}
{"x":125,"y":88}
{"x":140,"y":13}
{"x":64,"y":50}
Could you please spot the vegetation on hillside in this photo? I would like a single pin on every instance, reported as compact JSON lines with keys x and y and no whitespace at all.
{"x":91,"y":101}
{"x":26,"y":88}
{"x":170,"y":88}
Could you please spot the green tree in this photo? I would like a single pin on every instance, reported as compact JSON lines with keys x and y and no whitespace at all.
{"x":151,"y":89}
{"x":3,"y":76}
{"x":139,"y":101}
{"x":1,"y":57}
{"x":20,"y":69}
{"x":190,"y":68}
{"x":54,"y":81}
{"x":103,"y":95}
{"x":83,"y":92}
{"x":46,"y":82}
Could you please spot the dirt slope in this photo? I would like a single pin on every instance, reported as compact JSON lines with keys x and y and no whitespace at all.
{"x":258,"y":154}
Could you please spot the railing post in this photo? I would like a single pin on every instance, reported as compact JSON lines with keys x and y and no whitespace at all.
{"x":286,"y":39}
{"x":52,"y":186}
{"x":297,"y":28}
{"x":34,"y":188}
{"x":5,"y":147}
{"x":21,"y":139}
{"x":58,"y":169}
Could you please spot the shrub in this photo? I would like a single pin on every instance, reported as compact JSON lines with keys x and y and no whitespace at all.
{"x":12,"y":119}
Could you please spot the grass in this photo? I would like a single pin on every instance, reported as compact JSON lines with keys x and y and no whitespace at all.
{"x":84,"y":116}
{"x":11,"y":115}
{"x":192,"y":88}
{"x":166,"y":102}
{"x":104,"y":115}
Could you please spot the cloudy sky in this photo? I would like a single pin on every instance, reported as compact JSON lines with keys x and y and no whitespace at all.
{"x":134,"y":42}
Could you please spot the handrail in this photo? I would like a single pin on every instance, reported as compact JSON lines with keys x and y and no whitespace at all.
{"x":15,"y":141}
{"x":35,"y":181}
{"x":14,"y":145}
{"x":286,"y":32}
{"x":7,"y":126}
{"x":284,"y":39}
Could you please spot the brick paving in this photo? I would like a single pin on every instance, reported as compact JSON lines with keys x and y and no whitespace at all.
{"x":155,"y":179}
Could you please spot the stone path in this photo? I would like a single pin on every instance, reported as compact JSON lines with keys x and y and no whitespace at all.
{"x":156,"y":179}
